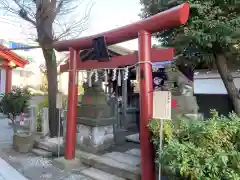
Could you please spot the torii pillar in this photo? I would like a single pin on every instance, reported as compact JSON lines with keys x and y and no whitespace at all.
{"x":142,"y":30}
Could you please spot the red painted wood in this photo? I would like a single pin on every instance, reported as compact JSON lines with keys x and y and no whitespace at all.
{"x":8,"y":87}
{"x":168,"y":19}
{"x":157,"y":55}
{"x":146,"y":106}
{"x":11,"y":56}
{"x":72,"y":106}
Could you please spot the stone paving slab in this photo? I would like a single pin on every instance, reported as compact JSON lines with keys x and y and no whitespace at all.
{"x":134,"y":152}
{"x":96,"y":174}
{"x":117,"y":168}
{"x":124,"y":158}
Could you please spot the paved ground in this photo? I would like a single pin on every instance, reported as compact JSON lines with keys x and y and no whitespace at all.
{"x":6,"y":132}
{"x":30,"y":166}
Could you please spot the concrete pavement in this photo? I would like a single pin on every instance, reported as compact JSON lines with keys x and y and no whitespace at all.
{"x":7,"y":172}
{"x":6,"y":131}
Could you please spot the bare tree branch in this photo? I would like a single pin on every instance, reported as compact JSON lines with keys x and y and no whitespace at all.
{"x":76,"y":27}
{"x":33,"y":10}
{"x":19,"y":9}
{"x":52,"y":21}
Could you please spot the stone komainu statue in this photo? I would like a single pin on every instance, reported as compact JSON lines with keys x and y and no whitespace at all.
{"x":182,"y":92}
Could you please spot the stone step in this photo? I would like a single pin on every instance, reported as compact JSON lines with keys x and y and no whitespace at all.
{"x":45,"y":146}
{"x":96,"y":174}
{"x":73,"y":165}
{"x":134,"y":152}
{"x":50,"y":144}
{"x":110,"y":166}
{"x":133,"y":138}
{"x":41,"y":152}
{"x":124,"y":158}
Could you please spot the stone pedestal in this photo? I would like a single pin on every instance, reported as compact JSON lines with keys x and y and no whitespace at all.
{"x":95,"y":127}
{"x":94,"y":138}
{"x":95,"y":121}
{"x":23,"y":142}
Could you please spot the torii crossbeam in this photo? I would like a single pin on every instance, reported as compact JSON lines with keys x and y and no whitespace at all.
{"x":141,"y":30}
{"x":157,"y":55}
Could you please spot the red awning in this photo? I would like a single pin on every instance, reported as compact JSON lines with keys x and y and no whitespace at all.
{"x":11,"y":56}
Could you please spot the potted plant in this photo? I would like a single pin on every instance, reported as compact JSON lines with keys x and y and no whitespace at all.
{"x":13,"y":104}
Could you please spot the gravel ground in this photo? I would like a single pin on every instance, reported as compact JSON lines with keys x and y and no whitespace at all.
{"x":37,"y":168}
{"x":31,"y":166}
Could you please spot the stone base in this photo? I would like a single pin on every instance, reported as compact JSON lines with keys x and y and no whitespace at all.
{"x":23,"y":142}
{"x":51,"y":145}
{"x":94,"y":139}
{"x":72,"y":165}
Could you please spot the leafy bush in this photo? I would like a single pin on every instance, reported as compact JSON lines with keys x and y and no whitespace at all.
{"x":200,"y":150}
{"x":15,"y":102}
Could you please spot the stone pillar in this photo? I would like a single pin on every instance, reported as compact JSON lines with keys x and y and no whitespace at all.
{"x":45,"y":121}
{"x":33,"y":120}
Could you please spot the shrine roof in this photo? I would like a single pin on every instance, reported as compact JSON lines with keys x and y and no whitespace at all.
{"x":12,"y":57}
{"x":114,"y":50}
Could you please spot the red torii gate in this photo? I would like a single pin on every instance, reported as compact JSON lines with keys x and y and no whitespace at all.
{"x":141,"y":30}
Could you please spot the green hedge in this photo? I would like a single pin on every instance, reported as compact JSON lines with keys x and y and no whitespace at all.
{"x":200,"y":150}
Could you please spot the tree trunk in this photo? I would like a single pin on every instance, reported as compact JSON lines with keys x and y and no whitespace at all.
{"x":45,"y":16}
{"x":51,"y":65}
{"x":233,"y":92}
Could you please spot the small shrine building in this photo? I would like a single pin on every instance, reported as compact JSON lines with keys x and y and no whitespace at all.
{"x":8,"y":61}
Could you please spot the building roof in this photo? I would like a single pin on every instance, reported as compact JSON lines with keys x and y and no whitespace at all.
{"x":12,"y":57}
{"x":114,"y":50}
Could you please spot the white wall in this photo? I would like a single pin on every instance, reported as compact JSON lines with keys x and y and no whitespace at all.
{"x":211,"y":83}
{"x":63,"y":83}
{"x":21,"y":79}
{"x":3,"y":81}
